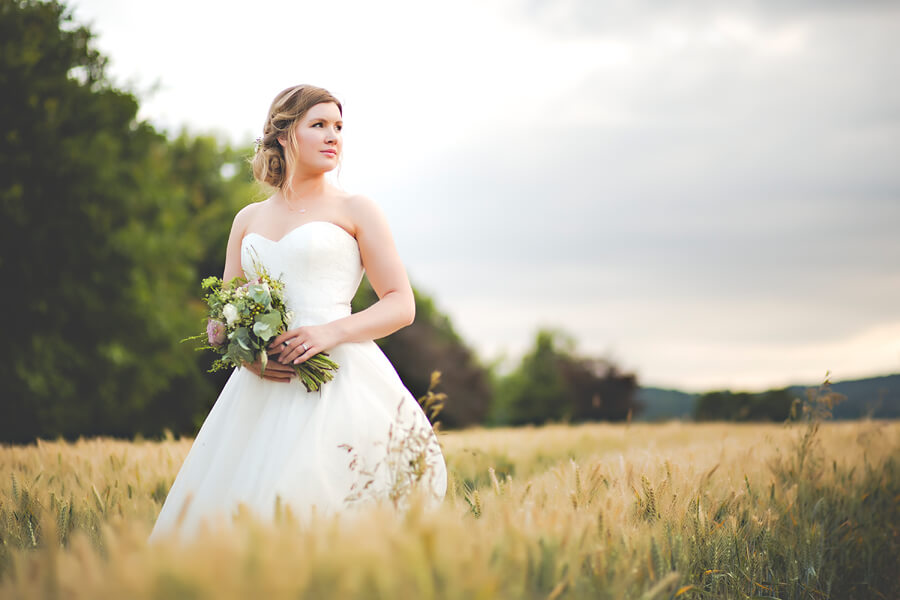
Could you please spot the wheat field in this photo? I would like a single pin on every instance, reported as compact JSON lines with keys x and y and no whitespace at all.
{"x":673,"y":510}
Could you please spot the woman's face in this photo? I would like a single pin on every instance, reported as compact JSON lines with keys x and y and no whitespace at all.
{"x":317,"y":137}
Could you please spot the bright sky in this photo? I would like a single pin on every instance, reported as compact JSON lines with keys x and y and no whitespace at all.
{"x":706,"y":193}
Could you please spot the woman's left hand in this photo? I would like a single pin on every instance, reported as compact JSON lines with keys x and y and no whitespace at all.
{"x":302,"y":343}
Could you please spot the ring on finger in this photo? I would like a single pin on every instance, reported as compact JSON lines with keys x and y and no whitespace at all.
{"x":305,"y":347}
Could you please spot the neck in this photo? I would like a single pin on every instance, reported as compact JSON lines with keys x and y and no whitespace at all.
{"x":304,"y":186}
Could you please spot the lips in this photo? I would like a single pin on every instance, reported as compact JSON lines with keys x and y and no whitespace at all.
{"x":329,"y":152}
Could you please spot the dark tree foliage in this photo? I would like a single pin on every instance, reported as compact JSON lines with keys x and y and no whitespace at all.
{"x":431,"y":344}
{"x":96,"y":238}
{"x":773,"y":405}
{"x":599,"y":391}
{"x":552,"y":383}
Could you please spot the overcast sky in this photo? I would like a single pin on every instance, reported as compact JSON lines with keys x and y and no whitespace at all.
{"x":706,"y":193}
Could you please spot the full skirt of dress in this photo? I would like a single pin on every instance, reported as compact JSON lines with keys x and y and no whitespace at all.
{"x":265,"y":442}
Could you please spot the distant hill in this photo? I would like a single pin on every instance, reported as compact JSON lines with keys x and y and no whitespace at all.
{"x":661,"y":404}
{"x":875,"y":397}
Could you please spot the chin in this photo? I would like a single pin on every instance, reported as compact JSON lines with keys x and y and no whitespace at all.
{"x":320,"y":167}
{"x":325,"y":164}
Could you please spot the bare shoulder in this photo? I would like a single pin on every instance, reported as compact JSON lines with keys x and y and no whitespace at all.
{"x":249,"y":210}
{"x":245,"y":215}
{"x":364,"y":211}
{"x":360,"y":204}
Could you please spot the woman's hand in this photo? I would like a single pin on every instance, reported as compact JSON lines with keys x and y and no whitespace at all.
{"x":297,"y":345}
{"x":275,"y":371}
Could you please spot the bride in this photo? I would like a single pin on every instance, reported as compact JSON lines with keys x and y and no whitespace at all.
{"x":268,"y":442}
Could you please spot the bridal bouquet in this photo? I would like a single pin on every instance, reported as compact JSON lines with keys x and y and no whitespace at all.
{"x":244,"y":316}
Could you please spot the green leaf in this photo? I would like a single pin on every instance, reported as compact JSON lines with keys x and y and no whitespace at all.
{"x":258,"y":294}
{"x":242,"y":337}
{"x":237,"y":353}
{"x":266,"y":326}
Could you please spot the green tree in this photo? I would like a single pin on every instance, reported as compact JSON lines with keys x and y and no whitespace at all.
{"x":536,"y":391}
{"x":94,"y":239}
{"x":724,"y":405}
{"x":209,"y":182}
{"x":553,"y":383}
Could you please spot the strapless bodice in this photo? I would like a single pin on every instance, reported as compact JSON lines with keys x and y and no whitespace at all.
{"x":319,"y":263}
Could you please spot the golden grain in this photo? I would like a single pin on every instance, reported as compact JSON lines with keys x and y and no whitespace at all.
{"x":586,"y":511}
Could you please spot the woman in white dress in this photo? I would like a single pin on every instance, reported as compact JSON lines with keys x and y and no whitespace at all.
{"x":267,"y":441}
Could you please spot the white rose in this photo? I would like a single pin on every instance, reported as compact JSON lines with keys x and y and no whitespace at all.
{"x":231,"y":313}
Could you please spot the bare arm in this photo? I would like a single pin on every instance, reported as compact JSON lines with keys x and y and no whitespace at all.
{"x":233,"y":266}
{"x":396,"y":307}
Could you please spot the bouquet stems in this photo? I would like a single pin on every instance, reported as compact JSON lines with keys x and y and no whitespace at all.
{"x":316,"y":371}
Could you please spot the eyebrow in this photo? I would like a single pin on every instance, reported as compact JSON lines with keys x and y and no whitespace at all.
{"x":341,"y":121}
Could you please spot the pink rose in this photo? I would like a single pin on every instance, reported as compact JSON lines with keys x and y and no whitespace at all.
{"x":215,"y":332}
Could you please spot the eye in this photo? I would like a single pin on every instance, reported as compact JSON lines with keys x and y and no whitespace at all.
{"x":340,"y":127}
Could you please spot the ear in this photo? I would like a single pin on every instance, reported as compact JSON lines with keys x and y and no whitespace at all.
{"x":281,"y":141}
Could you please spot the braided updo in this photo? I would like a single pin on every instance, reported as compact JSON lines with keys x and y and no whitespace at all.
{"x":271,"y":162}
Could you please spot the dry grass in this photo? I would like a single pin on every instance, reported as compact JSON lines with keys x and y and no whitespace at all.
{"x":591,"y":511}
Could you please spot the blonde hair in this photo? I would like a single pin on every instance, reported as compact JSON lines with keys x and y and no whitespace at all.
{"x":270,"y":162}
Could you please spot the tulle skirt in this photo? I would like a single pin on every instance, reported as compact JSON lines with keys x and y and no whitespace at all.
{"x":363,"y":437}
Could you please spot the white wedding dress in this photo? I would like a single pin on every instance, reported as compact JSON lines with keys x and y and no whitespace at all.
{"x":266,"y":443}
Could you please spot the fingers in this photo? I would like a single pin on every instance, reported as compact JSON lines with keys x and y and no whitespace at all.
{"x":278,"y":350}
{"x":277,"y":379}
{"x":294,"y":350}
{"x":292,"y":347}
{"x":305,"y":355}
{"x":277,"y":363}
{"x":274,"y":371}
{"x":278,"y":342}
{"x":289,"y":339}
{"x":277,"y":369}
{"x":280,"y":377}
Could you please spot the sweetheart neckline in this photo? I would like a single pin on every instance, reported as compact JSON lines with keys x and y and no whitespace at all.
{"x":293,"y":230}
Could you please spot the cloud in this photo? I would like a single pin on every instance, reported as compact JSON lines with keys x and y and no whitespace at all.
{"x":617,"y":17}
{"x":709,"y":183}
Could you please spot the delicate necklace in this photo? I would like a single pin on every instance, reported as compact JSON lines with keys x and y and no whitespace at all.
{"x":301,"y":210}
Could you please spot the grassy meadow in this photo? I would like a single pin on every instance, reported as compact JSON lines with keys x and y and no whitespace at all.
{"x":673,"y":510}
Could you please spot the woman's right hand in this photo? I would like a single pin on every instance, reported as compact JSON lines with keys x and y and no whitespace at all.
{"x":275,"y":371}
